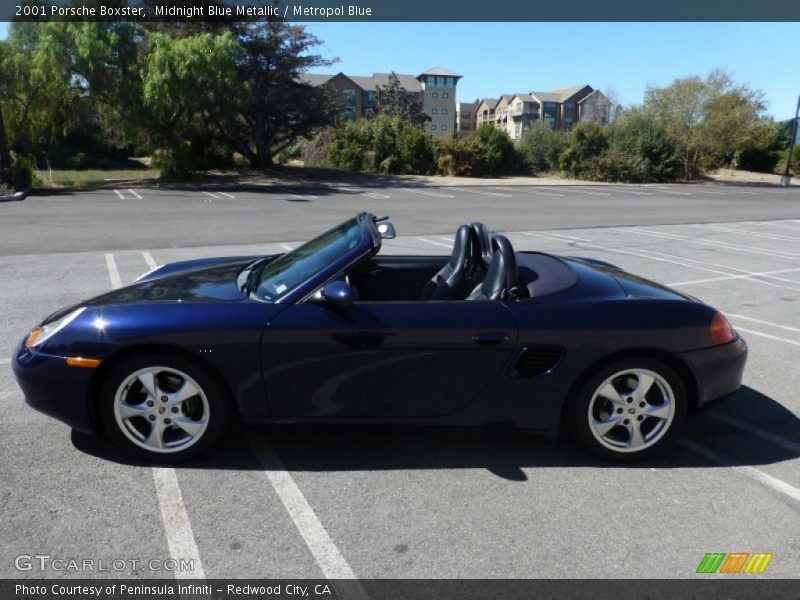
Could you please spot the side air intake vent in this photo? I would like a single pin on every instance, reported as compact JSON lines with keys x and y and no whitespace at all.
{"x":537,"y":360}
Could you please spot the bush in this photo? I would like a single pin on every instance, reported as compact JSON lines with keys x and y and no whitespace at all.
{"x":21,"y":175}
{"x":541,"y":146}
{"x":497,"y":154}
{"x":640,"y":150}
{"x":175,"y":163}
{"x":385,"y":144}
{"x":763,"y":147}
{"x":585,"y":144}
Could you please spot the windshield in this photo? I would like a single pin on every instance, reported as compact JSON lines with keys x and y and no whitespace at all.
{"x":286,"y":273}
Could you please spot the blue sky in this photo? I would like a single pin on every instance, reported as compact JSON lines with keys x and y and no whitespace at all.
{"x":499,"y":58}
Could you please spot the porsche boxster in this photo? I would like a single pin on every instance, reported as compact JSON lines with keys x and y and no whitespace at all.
{"x":334,"y":331}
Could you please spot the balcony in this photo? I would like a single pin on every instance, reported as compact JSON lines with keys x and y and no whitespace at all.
{"x":526,"y":109}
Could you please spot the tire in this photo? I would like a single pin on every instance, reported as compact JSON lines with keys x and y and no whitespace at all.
{"x":163,"y":408}
{"x":615,"y":420}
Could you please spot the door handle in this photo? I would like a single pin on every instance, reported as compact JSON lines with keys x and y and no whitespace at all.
{"x":491,"y":337}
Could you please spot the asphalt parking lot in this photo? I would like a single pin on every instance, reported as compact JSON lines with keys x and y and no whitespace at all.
{"x":385,"y":502}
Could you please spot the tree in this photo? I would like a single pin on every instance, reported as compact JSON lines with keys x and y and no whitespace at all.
{"x":394,"y":101}
{"x":707,"y":117}
{"x":541,"y":146}
{"x":5,"y":154}
{"x":640,"y":150}
{"x":585,"y":144}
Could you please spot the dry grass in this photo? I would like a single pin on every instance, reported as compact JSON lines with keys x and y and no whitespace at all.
{"x":64,"y":178}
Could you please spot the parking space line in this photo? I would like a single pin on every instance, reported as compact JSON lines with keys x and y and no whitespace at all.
{"x":148,"y":258}
{"x":778,"y":225}
{"x":757,"y":431}
{"x":624,"y":190}
{"x":714,"y":192}
{"x":434,"y":194}
{"x":135,"y":193}
{"x":421,"y":239}
{"x":177,"y":527}
{"x":118,"y":193}
{"x":286,"y":247}
{"x":113,"y":272}
{"x":750,"y":249}
{"x":733,"y":189}
{"x":227,"y":195}
{"x":755,"y":474}
{"x":769,"y":236}
{"x":319,"y":542}
{"x":481,"y":192}
{"x":588,"y":193}
{"x":761,"y":322}
{"x":769,"y":336}
{"x":212,"y":195}
{"x":745,"y":275}
{"x":527,"y":191}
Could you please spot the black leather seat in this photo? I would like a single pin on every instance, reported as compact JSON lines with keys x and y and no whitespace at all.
{"x":502,"y":275}
{"x":484,"y":241}
{"x":450,"y":281}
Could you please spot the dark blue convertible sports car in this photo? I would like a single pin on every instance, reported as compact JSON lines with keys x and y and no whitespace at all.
{"x":335,"y":332}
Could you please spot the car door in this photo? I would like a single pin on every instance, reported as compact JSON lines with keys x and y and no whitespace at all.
{"x":384,"y":359}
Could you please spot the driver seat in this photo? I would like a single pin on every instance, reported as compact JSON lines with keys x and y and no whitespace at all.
{"x":449,"y":282}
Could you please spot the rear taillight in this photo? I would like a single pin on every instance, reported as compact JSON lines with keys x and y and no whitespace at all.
{"x":722,"y":332}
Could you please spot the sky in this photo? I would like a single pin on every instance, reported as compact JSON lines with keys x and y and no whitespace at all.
{"x":500,"y":58}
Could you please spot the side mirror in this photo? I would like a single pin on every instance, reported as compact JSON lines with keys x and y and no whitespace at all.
{"x":337,"y":294}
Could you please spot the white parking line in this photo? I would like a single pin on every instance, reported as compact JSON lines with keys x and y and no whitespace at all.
{"x":177,"y":527}
{"x":227,"y":195}
{"x":769,"y":236}
{"x":541,"y":193}
{"x":481,"y":192}
{"x":135,"y":193}
{"x":434,"y":194}
{"x":421,"y":239}
{"x":769,"y":336}
{"x":714,"y":192}
{"x":624,"y":190}
{"x":327,"y":555}
{"x":747,"y":274}
{"x":761,"y":322}
{"x":757,"y":431}
{"x":588,"y":193}
{"x":148,"y":258}
{"x":778,"y":225}
{"x":763,"y":478}
{"x":118,"y":193}
{"x":113,"y":272}
{"x":665,"y":190}
{"x":362,"y":192}
{"x":286,"y":247}
{"x":733,"y":189}
{"x":212,"y":195}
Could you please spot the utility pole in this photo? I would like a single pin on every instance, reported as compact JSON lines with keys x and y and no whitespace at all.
{"x":786,"y":180}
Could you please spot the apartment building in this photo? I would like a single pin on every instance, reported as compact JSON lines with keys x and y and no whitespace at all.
{"x":561,"y":109}
{"x":435,"y":89}
{"x":466,"y":117}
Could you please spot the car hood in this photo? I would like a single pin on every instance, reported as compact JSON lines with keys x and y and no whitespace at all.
{"x":206,"y":280}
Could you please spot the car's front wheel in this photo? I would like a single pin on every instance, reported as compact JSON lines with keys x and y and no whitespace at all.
{"x":163,"y":408}
{"x":630,"y":410}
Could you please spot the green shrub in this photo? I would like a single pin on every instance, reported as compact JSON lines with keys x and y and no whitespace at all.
{"x":497,"y":154}
{"x":175,"y":163}
{"x":541,"y":146}
{"x":383,"y":144}
{"x":640,"y":150}
{"x":585,"y":144}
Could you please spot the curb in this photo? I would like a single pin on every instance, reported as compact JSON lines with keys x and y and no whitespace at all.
{"x":18,"y":196}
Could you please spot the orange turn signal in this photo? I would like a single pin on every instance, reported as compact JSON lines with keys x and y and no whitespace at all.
{"x":79,"y":361}
{"x":33,"y":336}
{"x":722,"y":331}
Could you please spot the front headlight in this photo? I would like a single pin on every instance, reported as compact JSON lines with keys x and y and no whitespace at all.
{"x":41,"y":334}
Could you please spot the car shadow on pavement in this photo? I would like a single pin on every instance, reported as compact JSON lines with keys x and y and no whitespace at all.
{"x":503,"y":451}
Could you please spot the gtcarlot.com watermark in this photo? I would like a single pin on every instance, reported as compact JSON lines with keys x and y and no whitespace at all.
{"x":70,"y":564}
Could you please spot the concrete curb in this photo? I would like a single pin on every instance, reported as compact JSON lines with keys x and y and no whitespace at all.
{"x":18,"y":196}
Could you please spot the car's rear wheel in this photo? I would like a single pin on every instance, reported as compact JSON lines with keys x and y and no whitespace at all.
{"x":630,"y":410}
{"x":163,"y":408}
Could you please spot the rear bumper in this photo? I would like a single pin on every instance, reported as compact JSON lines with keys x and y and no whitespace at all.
{"x":718,"y":370}
{"x":54,"y":388}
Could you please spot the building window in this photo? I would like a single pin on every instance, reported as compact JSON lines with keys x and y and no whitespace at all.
{"x":350,"y":97}
{"x":570,"y":106}
{"x":435,"y":94}
{"x":568,"y":121}
{"x":445,"y":95}
{"x":550,"y":114}
{"x":433,"y":127}
{"x":444,"y":127}
{"x":433,"y":111}
{"x":465,"y":113}
{"x":444,"y":111}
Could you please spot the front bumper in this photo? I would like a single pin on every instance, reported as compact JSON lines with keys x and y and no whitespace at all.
{"x":718,"y":370}
{"x":54,"y":388}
